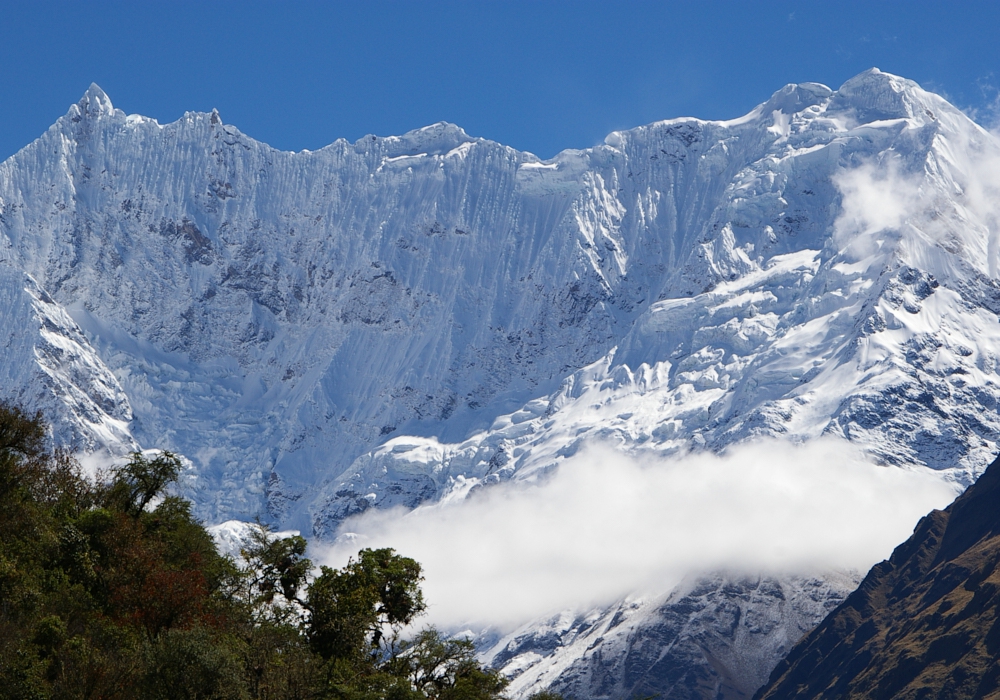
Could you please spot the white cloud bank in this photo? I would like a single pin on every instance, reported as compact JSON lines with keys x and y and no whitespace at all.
{"x":605,"y":525}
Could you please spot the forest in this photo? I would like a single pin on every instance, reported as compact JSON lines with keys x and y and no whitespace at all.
{"x":110,"y":588}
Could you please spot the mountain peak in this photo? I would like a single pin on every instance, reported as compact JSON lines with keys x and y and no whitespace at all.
{"x":875,"y":95}
{"x":437,"y":138}
{"x":796,"y":97}
{"x":95,"y":102}
{"x":875,"y":79}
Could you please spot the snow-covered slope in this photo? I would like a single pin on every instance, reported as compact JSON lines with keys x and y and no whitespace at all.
{"x":714,"y":636}
{"x":276,"y":315}
{"x":48,"y":365}
{"x":273,"y":315}
{"x":843,"y":281}
{"x":385,"y":322}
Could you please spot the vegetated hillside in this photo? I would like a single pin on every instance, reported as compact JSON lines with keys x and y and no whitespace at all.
{"x":924,"y":624}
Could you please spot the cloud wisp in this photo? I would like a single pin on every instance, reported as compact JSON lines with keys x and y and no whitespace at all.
{"x":605,"y":525}
{"x":950,"y":203}
{"x":876,"y":198}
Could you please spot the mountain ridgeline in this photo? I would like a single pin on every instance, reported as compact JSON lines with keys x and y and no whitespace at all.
{"x":324,"y":332}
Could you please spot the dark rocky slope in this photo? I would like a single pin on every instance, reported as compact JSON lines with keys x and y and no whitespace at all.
{"x":924,"y":624}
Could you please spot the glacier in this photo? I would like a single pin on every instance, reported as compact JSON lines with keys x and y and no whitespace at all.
{"x":788,"y":318}
{"x":410,"y":318}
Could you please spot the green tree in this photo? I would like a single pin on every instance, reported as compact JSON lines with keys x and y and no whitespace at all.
{"x":354,"y":611}
{"x":139,"y":481}
{"x":103,"y":595}
{"x":195,"y":664}
{"x":277,"y":570}
{"x":446,"y":669}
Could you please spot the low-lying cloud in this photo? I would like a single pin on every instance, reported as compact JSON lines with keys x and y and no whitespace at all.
{"x":605,"y":525}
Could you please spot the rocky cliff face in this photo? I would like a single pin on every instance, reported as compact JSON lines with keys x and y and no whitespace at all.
{"x":925,"y":623}
{"x":388,"y":322}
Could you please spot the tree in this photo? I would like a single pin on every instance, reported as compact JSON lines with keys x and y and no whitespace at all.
{"x":446,"y":669}
{"x":103,"y":595}
{"x":21,"y":435}
{"x":356,"y":616}
{"x":194,"y":664}
{"x":354,"y":610}
{"x":138,"y":482}
{"x":274,"y":566}
{"x":22,"y":441}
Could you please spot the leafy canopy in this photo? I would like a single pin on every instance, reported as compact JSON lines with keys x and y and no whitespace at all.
{"x":111,"y":589}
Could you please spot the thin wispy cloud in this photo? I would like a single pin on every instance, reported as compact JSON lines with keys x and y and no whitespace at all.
{"x":952,"y":201}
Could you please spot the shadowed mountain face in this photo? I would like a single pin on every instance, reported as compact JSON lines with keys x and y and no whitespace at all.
{"x":924,"y":624}
{"x":715,"y":636}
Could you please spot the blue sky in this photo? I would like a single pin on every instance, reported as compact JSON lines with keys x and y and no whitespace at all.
{"x":540,"y":76}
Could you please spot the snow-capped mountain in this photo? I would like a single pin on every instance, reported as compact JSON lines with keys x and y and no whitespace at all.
{"x":274,"y":315}
{"x":796,"y":307}
{"x":391,"y":321}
